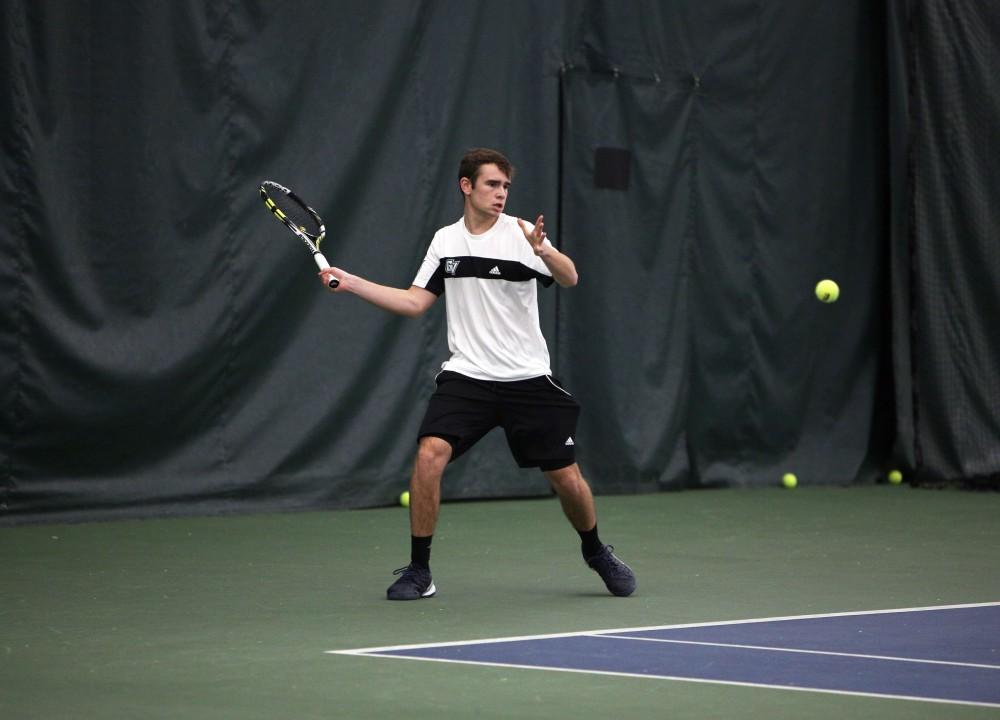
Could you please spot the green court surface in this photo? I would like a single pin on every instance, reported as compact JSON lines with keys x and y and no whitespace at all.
{"x":230,"y":617}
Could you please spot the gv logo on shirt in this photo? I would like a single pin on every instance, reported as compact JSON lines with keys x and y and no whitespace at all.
{"x":451,"y":266}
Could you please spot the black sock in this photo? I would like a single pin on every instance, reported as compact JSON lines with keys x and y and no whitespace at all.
{"x":420,"y":551}
{"x":591,"y":543}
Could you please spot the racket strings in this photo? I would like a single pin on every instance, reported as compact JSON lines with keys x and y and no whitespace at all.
{"x":288,"y":208}
{"x":296,"y":214}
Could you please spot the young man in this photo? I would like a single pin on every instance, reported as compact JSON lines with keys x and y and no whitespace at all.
{"x":498,"y":373}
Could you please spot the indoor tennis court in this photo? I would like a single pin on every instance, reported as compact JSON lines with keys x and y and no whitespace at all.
{"x":681,"y":313}
{"x":234,"y":616}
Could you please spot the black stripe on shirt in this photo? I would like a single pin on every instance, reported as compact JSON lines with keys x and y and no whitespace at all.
{"x":484,"y":269}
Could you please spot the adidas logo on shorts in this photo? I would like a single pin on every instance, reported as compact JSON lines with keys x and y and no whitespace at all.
{"x":569,"y":441}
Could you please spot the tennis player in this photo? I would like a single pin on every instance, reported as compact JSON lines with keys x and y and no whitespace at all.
{"x":498,"y":374}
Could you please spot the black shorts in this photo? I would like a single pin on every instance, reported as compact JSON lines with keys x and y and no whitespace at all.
{"x":537,"y":416}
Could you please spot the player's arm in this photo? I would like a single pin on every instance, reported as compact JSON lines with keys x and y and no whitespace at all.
{"x":561,"y":266}
{"x":411,"y":302}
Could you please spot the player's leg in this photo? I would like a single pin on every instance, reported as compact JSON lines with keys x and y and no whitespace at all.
{"x":415,"y":580}
{"x":578,"y":505}
{"x":459,"y":413}
{"x":540,"y":419}
{"x":433,"y":455}
{"x":574,"y":495}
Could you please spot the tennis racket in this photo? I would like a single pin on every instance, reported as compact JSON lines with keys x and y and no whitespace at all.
{"x":297,"y":217}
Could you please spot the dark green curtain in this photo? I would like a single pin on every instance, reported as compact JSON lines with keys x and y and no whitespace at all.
{"x":166,"y":347}
{"x":757,"y":137}
{"x":944,"y":113}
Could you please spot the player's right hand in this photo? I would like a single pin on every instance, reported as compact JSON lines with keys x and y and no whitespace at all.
{"x":337,"y":274}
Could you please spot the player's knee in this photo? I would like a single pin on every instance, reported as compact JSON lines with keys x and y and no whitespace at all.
{"x":433,"y":452}
{"x":564,"y":478}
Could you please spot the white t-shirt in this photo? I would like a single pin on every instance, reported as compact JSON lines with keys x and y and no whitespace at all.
{"x":491,"y":300}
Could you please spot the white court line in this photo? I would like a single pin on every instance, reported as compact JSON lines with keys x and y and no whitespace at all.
{"x":515,"y":638}
{"x":381,"y":652}
{"x":801,"y":650}
{"x":681,"y":678}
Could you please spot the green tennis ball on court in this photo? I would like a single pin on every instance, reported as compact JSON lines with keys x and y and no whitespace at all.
{"x":827,"y":291}
{"x":895,"y":477}
{"x":789,"y":480}
{"x":404,"y":498}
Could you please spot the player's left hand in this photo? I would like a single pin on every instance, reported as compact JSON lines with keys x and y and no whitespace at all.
{"x":535,"y":236}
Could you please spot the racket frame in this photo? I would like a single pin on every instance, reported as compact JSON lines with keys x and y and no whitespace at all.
{"x":311,"y":240}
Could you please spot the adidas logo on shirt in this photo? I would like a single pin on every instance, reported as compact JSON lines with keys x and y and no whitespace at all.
{"x":569,"y":441}
{"x":495,"y":270}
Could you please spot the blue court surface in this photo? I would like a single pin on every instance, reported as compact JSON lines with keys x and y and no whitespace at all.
{"x":948,"y":654}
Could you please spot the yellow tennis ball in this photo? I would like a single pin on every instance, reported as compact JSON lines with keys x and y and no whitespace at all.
{"x":895,"y":477}
{"x":827,"y":291}
{"x":404,"y":498}
{"x":789,"y":480}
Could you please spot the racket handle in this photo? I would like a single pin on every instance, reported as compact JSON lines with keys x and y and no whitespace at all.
{"x":323,"y":265}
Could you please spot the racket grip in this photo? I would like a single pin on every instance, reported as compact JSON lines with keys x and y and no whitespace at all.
{"x":322,"y":264}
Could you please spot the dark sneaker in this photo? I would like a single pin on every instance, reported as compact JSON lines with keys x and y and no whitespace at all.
{"x":414,"y":583}
{"x":616,"y":575}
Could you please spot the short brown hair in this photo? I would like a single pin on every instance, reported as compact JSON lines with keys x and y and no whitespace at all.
{"x":475,"y":158}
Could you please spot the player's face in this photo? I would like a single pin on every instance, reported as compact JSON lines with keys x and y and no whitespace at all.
{"x":489,"y":195}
